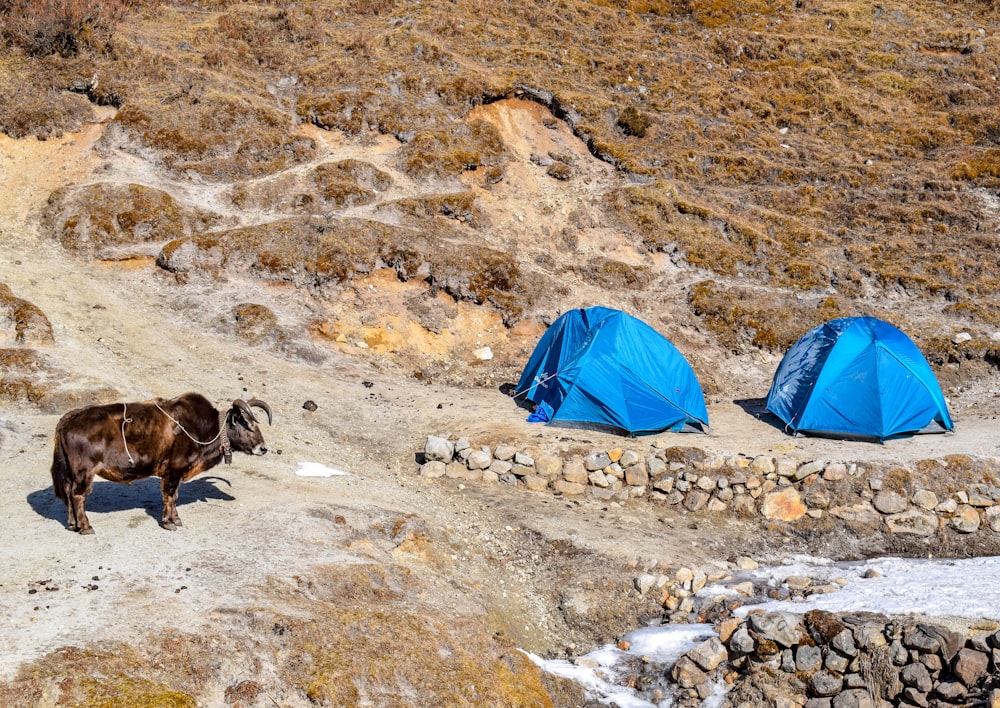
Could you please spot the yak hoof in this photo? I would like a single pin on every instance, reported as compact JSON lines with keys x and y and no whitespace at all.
{"x":169,"y":525}
{"x":89,"y":531}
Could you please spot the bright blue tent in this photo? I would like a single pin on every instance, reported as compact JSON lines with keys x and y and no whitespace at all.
{"x":604,"y":368}
{"x":857,"y":377}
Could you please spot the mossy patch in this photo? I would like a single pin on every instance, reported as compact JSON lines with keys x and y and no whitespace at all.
{"x":255,"y":323}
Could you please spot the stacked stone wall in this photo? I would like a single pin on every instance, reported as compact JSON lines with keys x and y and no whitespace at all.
{"x":850,"y":660}
{"x":959,"y":492}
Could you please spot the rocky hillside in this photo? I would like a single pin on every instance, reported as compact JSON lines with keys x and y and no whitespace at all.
{"x":733,"y":173}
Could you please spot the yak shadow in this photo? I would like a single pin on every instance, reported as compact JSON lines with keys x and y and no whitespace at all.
{"x":142,"y":494}
{"x":757,"y":407}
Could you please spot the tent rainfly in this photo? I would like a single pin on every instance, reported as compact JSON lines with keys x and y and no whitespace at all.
{"x":599,"y":367}
{"x":857,"y":377}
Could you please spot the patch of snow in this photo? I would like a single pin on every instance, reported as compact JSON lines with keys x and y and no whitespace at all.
{"x":964,"y":587}
{"x":315,"y":469}
{"x":598,"y":671}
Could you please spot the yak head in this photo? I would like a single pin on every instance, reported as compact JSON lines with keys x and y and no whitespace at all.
{"x":243,"y":428}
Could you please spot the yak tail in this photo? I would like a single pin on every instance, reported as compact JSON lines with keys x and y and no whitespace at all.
{"x":60,"y":470}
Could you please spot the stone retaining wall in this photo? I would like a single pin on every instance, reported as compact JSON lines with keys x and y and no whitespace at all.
{"x":966,"y":498}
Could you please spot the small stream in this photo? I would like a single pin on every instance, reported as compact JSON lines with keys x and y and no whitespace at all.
{"x":605,"y":673}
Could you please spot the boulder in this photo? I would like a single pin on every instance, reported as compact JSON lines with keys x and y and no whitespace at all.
{"x":479,"y":460}
{"x":925,"y":499}
{"x":536,"y":482}
{"x":783,"y":628}
{"x":504,"y":452}
{"x":889,"y":502}
{"x":596,"y":461}
{"x":636,"y":474}
{"x":916,"y":676}
{"x":921,"y":523}
{"x":548,"y":465}
{"x":434,"y":468}
{"x":965,"y":520}
{"x":970,"y":665}
{"x":687,"y":674}
{"x":808,"y":658}
{"x":993,"y":518}
{"x":709,"y":654}
{"x":568,"y":488}
{"x":855,"y":698}
{"x":575,"y":471}
{"x":824,"y":684}
{"x":741,"y":642}
{"x":814,"y":467}
{"x":438,"y":449}
{"x":785,"y":505}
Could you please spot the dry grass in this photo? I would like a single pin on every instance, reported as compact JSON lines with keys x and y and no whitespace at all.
{"x":312,"y":252}
{"x":460,"y":206}
{"x":320,"y":190}
{"x":829,"y":148}
{"x":346,"y":635}
{"x":741,"y":318}
{"x":101,"y":216}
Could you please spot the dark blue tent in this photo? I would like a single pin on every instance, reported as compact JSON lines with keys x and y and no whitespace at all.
{"x":607,"y":369}
{"x":857,"y":377}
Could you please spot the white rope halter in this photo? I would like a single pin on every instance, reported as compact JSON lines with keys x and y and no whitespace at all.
{"x":225,"y":448}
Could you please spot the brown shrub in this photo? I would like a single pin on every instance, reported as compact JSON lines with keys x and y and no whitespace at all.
{"x":367,"y":609}
{"x":484,"y":276}
{"x":742,"y":318}
{"x":460,"y":206}
{"x":28,"y":324}
{"x":614,"y":275}
{"x":632,"y":122}
{"x":215,"y":133}
{"x":665,"y":221}
{"x":102,"y":217}
{"x":466,"y":146}
{"x":352,"y":111}
{"x":22,"y":375}
{"x":25,"y":109}
{"x":304,"y":251}
{"x":319,"y":190}
{"x":63,"y":27}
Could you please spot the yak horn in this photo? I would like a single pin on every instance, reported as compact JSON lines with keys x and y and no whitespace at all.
{"x":263,"y":406}
{"x":240,"y":404}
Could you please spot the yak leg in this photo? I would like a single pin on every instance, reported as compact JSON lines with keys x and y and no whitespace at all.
{"x":76,"y":500}
{"x":169,"y":488}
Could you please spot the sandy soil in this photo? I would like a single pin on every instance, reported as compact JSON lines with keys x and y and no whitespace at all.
{"x":138,"y":331}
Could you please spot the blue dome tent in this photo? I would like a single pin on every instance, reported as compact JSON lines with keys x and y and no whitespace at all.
{"x":603,"y":368}
{"x":857,"y":377}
